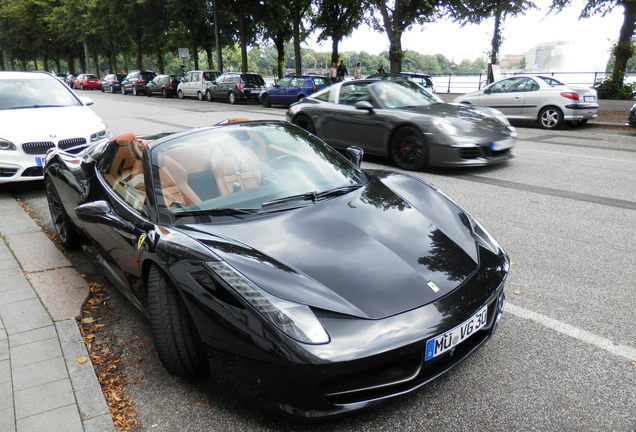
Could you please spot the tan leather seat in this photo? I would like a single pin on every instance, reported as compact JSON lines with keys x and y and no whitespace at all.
{"x":235,"y":168}
{"x":174,"y":183}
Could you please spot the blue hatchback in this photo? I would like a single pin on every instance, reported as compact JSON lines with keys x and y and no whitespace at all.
{"x":292,"y":88}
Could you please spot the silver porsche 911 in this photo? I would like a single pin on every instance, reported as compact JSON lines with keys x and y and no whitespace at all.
{"x":414,"y":128}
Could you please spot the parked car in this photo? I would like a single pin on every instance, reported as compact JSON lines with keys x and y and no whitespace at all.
{"x":86,"y":81}
{"x":70,"y":79}
{"x":195,"y":83}
{"x":632,"y":116}
{"x":236,"y":86}
{"x":537,"y":98}
{"x":39,"y":113}
{"x":389,"y":119}
{"x":320,"y":287}
{"x":164,"y":84}
{"x":424,"y":80}
{"x":292,"y":88}
{"x":112,"y":83}
{"x":136,"y":81}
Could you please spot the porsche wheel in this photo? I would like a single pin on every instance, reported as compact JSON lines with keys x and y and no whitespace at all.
{"x":176,"y":340}
{"x":550,"y":118}
{"x":408,"y":149}
{"x":305,"y":122}
{"x":66,"y":232}
{"x":266,"y":101}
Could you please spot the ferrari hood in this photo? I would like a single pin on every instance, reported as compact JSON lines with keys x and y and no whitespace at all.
{"x":43,"y":124}
{"x":369,"y":253}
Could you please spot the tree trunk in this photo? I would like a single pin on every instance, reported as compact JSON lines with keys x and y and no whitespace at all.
{"x":208,"y":53}
{"x":394,"y":34}
{"x":139,"y":61}
{"x":96,"y":62}
{"x":334,"y":49}
{"x":496,"y":39}
{"x":45,"y":60}
{"x":280,"y":58}
{"x":296,"y":27}
{"x":86,"y":59}
{"x":160,"y":61}
{"x":24,"y":63}
{"x":217,"y":38}
{"x":70,"y":64}
{"x":195,"y":50}
{"x":58,"y":65}
{"x":35,"y":63}
{"x":623,"y":49}
{"x":2,"y":62}
{"x":243,"y":42}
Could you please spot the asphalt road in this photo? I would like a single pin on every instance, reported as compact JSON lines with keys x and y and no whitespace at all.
{"x":564,"y":357}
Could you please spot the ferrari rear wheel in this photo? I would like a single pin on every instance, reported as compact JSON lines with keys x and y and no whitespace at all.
{"x":176,"y":340}
{"x":304,"y":122}
{"x":66,"y":232}
{"x":408,"y":149}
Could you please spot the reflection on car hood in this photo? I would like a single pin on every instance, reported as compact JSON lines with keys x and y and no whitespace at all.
{"x":43,"y":124}
{"x":369,"y":253}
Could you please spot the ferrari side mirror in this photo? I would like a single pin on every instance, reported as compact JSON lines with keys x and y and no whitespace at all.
{"x":355,"y":154}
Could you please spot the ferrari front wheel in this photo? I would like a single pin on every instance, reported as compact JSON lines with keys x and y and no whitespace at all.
{"x":64,"y":228}
{"x":176,"y":340}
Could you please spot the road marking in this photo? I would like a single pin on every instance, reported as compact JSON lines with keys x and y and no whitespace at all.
{"x":595,"y":147}
{"x":596,"y":199}
{"x":552,"y":152}
{"x":624,"y":351}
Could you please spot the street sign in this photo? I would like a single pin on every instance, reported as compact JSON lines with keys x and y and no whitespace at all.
{"x":184,"y":53}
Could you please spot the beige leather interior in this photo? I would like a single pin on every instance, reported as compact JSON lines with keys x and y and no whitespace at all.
{"x":235,"y":169}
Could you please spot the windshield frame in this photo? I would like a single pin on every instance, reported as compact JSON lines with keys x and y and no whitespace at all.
{"x":20,"y":89}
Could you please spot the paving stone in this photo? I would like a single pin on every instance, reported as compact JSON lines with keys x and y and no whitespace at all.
{"x":23,"y":355}
{"x":5,"y":372}
{"x":6,"y":273}
{"x":4,"y":350}
{"x":39,"y":373}
{"x":6,"y":403}
{"x":19,"y":292}
{"x":103,"y":423}
{"x":34,"y":335}
{"x":36,"y":252}
{"x":7,"y":420}
{"x":64,"y":419}
{"x":37,"y":400}
{"x":9,"y":263}
{"x":63,"y":291}
{"x":18,"y":222}
{"x":24,"y":315}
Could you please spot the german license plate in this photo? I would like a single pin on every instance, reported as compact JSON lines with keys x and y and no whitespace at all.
{"x":501,"y":145}
{"x":39,"y":161}
{"x":589,"y":98}
{"x":446,"y":341}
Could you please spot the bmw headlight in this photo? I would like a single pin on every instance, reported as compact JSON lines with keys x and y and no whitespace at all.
{"x":445,"y":126}
{"x":6,"y":144}
{"x":295,"y":320}
{"x":101,"y":134}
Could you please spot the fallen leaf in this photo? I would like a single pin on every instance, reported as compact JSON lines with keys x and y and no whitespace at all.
{"x":81,"y":360}
{"x":88,"y":320}
{"x":534,"y":320}
{"x":513,"y":263}
{"x":517,"y":292}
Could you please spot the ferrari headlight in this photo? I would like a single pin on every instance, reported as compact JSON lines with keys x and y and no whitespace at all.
{"x":295,"y":320}
{"x":6,"y":144}
{"x":445,"y":126}
{"x":101,"y":134}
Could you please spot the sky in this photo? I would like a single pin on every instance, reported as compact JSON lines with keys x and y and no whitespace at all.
{"x":592,"y":37}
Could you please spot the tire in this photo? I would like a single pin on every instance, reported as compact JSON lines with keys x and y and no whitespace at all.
{"x":300,"y":97}
{"x":266,"y":101}
{"x":66,"y":232}
{"x":550,"y":117}
{"x":164,"y":93}
{"x":111,"y":90}
{"x":148,"y":92}
{"x":134,"y":91}
{"x":176,"y":340}
{"x":408,"y":149}
{"x":199,"y":96}
{"x":231,"y":98}
{"x":180,"y":94}
{"x":304,"y":122}
{"x":102,"y":89}
{"x":123,"y":90}
{"x":208,"y":96}
{"x":81,"y":86}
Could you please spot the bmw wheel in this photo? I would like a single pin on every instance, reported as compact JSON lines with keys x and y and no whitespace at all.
{"x":408,"y":149}
{"x":178,"y":344}
{"x":550,"y":118}
{"x":64,"y":228}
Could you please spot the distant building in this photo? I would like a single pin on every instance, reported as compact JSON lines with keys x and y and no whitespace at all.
{"x":512,"y":62}
{"x":561,"y":56}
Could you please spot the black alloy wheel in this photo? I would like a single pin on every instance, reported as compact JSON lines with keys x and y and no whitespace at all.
{"x":266,"y":101}
{"x":408,"y":149}
{"x":66,"y":232}
{"x":304,"y":122}
{"x":176,"y":340}
{"x":550,"y":117}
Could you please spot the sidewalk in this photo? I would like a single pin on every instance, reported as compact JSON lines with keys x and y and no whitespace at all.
{"x":42,"y":387}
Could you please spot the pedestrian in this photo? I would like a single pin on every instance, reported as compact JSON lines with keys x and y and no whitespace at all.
{"x":381,"y":69}
{"x":357,"y":71}
{"x":333,"y":73}
{"x":342,"y":71}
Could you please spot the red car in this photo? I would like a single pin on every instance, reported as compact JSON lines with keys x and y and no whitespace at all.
{"x":86,"y":81}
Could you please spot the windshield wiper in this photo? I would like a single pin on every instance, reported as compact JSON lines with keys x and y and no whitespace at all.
{"x":304,"y":196}
{"x":341,"y":190}
{"x":217,"y":212}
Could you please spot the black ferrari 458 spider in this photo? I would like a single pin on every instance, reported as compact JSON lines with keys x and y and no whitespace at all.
{"x":256,"y":248}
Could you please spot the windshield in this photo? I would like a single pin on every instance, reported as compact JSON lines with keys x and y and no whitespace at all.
{"x":34,"y":93}
{"x":243,"y":166}
{"x":419,"y":89}
{"x":401,"y":94}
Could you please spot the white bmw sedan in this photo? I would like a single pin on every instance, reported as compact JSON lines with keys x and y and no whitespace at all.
{"x":541,"y":99}
{"x":38,"y":113}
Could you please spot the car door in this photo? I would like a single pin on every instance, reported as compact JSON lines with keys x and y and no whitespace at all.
{"x":534,"y":100}
{"x":277,"y":92}
{"x":345,"y":125}
{"x":506,"y":96}
{"x":293,"y":90}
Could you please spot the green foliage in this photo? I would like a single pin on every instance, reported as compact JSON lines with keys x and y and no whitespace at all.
{"x":609,"y":89}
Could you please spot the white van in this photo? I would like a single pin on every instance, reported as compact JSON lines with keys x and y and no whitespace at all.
{"x":195,"y":83}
